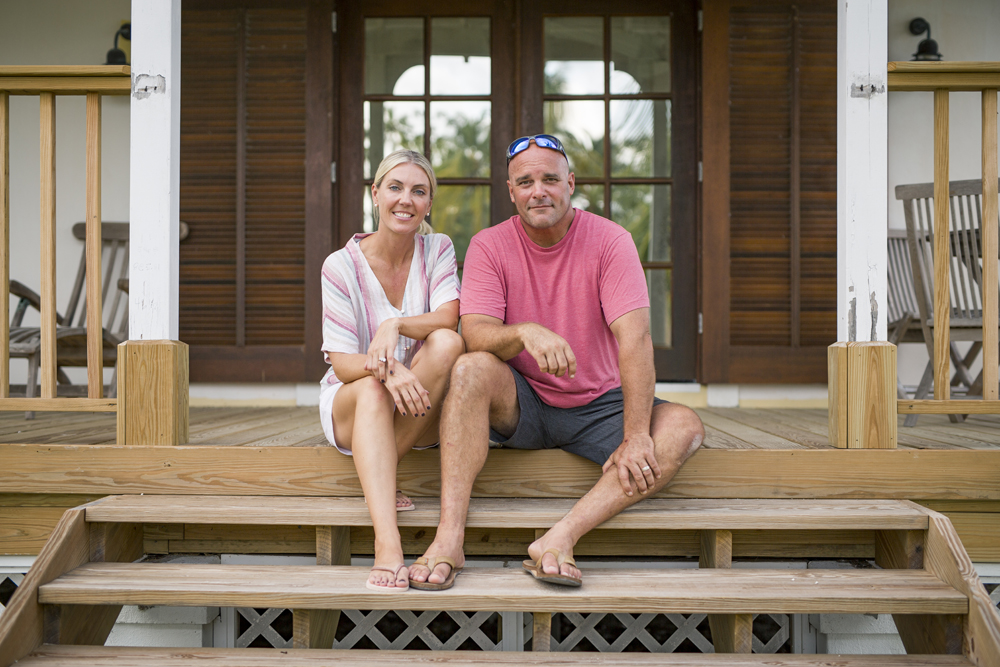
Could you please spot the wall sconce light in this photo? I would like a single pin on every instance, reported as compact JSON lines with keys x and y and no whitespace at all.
{"x":116,"y":56}
{"x":927,"y":49}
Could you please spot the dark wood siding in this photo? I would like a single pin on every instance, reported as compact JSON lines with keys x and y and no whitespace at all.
{"x":256,"y":129}
{"x":779,"y":81}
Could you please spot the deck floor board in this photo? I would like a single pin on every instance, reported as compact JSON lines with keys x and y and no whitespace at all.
{"x":726,"y":428}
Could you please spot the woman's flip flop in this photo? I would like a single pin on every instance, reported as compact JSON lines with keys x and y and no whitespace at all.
{"x":534,"y":567}
{"x":430,"y":564}
{"x":395,"y":573}
{"x":407,"y":505}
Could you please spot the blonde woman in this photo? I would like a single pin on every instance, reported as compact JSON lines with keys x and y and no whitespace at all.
{"x":390,"y":314}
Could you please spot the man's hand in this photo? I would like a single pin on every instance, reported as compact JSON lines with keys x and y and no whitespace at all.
{"x":550,"y":350}
{"x":407,"y":392}
{"x":381,"y":361}
{"x":635,"y":459}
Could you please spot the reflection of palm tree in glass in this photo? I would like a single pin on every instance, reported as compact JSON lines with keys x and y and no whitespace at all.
{"x":462,"y":210}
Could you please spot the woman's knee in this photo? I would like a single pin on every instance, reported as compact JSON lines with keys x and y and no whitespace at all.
{"x":445,"y":345}
{"x":373,"y":397}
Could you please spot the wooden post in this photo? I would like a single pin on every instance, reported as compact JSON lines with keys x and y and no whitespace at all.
{"x":862,"y":168}
{"x":152,"y":392}
{"x":990,"y":250}
{"x":942,"y":251}
{"x":95,"y":339}
{"x":862,"y":395}
{"x":317,"y":628}
{"x":5,"y":243}
{"x":731,"y":633}
{"x":47,"y":186}
{"x":541,"y":631}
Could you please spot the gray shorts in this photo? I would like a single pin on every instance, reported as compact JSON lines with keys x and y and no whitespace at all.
{"x":592,"y":431}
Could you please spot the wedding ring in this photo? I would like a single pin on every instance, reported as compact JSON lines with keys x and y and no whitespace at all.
{"x":382,"y":359}
{"x":644,"y":468}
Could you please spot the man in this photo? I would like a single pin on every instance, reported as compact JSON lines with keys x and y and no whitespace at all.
{"x":555,"y":316}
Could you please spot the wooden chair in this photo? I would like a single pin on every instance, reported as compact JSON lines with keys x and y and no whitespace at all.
{"x":71,"y":337}
{"x":901,"y":299}
{"x":965,"y":273}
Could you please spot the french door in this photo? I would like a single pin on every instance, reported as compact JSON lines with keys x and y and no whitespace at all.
{"x":459,"y":81}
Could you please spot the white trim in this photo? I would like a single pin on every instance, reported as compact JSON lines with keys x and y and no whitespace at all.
{"x":862,"y":168}
{"x":154,"y":208}
{"x":16,"y":564}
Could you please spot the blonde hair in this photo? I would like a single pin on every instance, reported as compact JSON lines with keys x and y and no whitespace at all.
{"x":404,"y":156}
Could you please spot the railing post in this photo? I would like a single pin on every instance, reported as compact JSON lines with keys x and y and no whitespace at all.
{"x":47,"y":162}
{"x":990,"y":251}
{"x":4,"y":243}
{"x":942,"y":251}
{"x":95,"y":338}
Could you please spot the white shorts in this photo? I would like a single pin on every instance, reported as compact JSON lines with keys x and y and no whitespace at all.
{"x":327,"y":393}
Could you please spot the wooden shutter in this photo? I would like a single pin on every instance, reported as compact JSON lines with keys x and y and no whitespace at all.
{"x":769,"y":78}
{"x":256,"y":115}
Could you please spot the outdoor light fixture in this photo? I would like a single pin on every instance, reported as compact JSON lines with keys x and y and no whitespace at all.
{"x":116,"y":56}
{"x":927,"y":49}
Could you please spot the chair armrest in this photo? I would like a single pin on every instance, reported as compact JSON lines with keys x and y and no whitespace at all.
{"x":29,"y":295}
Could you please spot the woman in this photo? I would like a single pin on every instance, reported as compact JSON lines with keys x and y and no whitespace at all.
{"x":390,"y":314}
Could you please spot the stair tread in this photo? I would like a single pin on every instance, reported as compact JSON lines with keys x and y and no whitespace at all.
{"x":108,"y":656}
{"x":510,"y":589}
{"x":667,"y":513}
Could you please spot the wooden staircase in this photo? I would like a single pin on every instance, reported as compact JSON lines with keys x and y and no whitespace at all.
{"x":68,"y":603}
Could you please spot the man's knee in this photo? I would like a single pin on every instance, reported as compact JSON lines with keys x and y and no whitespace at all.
{"x":679,"y":433}
{"x":475,"y":373}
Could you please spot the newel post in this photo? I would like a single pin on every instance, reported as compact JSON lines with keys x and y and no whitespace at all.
{"x":153,"y":364}
{"x":862,"y":367}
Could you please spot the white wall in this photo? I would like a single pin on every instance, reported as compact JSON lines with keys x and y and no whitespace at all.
{"x":964,"y":30}
{"x":60,"y":32}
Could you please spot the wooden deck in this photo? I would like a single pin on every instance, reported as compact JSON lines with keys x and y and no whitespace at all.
{"x":726,"y":428}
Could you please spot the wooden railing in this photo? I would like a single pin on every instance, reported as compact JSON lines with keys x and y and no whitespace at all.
{"x":47,"y":83}
{"x":943,"y":78}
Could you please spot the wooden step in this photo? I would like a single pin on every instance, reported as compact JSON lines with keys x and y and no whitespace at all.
{"x":101,"y":656}
{"x":501,"y":589}
{"x":674,"y":514}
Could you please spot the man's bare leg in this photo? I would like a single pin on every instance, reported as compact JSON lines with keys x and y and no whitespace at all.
{"x":677,"y":433}
{"x":482,"y":393}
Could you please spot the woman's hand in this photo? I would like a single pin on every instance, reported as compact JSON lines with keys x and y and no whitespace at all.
{"x":381,"y":353}
{"x":407,"y":392}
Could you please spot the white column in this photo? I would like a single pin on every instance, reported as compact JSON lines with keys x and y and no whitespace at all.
{"x":154,"y":207}
{"x":862,"y":171}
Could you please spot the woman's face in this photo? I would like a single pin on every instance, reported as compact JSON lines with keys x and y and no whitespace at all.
{"x":404,"y":198}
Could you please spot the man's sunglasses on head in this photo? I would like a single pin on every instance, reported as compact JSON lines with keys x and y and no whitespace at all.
{"x":541,"y":140}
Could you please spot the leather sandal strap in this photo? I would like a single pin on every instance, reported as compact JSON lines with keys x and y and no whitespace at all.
{"x":560,"y":557}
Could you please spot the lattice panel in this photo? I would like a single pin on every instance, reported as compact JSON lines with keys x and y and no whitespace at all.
{"x":654,"y":633}
{"x":994,"y":591}
{"x":263,"y":628}
{"x":8,"y":584}
{"x":438,"y":631}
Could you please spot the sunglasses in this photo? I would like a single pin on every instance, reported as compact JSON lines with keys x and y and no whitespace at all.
{"x":541,"y":140}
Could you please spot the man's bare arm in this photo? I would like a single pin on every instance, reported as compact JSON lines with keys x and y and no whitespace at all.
{"x":489,"y":334}
{"x":635,"y":456}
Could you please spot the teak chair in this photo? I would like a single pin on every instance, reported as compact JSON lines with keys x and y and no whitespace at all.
{"x":71,"y":339}
{"x":965,"y":274}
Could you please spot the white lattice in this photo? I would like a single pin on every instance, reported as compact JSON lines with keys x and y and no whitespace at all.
{"x":585,"y":627}
{"x":469,"y":627}
{"x":261,"y":626}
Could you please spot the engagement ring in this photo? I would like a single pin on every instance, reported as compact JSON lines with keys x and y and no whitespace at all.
{"x":382,"y":359}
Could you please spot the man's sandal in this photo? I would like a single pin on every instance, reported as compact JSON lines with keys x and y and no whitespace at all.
{"x":534,"y":568}
{"x":395,"y":575}
{"x":430,"y":564}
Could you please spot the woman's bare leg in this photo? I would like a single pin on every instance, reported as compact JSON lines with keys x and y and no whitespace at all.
{"x":366,"y":422}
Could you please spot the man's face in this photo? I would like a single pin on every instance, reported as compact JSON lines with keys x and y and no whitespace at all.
{"x":540,"y":185}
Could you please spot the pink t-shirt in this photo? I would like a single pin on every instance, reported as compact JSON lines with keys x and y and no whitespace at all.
{"x":576,"y":288}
